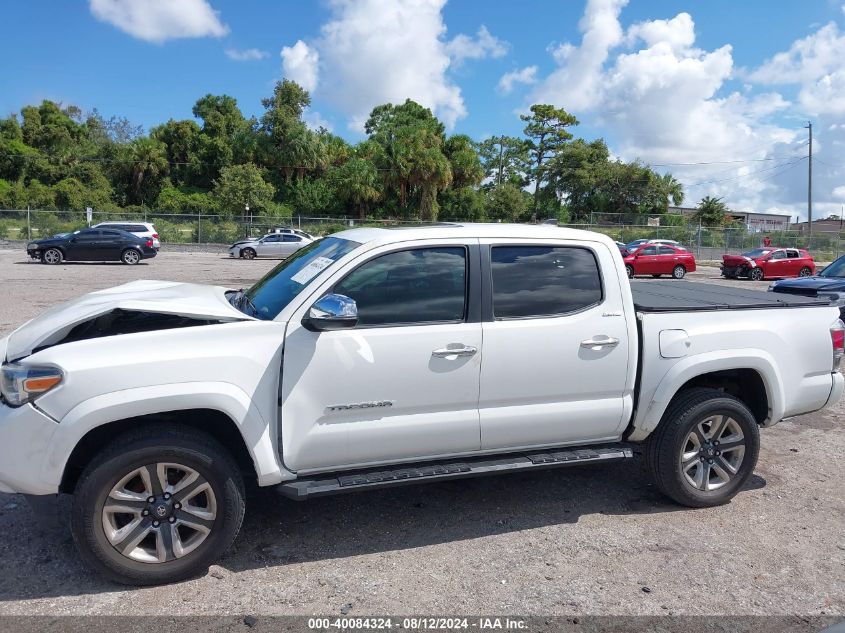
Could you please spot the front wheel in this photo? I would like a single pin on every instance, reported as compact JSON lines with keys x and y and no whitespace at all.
{"x":157,"y":506}
{"x":678,"y":272}
{"x":756,"y":274}
{"x":630,"y":271}
{"x":130,"y":257}
{"x":248,"y":253}
{"x":704,"y":449}
{"x":52,"y":256}
{"x":805,"y":272}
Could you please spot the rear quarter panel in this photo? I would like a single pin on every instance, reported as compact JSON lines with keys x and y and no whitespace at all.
{"x":789,"y":347}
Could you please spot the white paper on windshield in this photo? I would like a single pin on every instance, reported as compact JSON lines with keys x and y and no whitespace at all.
{"x":313,"y":268}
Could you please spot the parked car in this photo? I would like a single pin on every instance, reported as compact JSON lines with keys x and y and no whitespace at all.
{"x":829,"y":283}
{"x":272,"y":245}
{"x":760,"y":263}
{"x":141,"y":229}
{"x":632,"y":246}
{"x":98,"y":245}
{"x":376,"y":358}
{"x":659,"y":259}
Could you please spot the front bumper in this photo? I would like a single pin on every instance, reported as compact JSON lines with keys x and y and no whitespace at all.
{"x":25,"y":436}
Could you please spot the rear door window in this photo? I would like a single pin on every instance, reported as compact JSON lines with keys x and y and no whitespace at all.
{"x":534,"y":281}
{"x":665,"y":250}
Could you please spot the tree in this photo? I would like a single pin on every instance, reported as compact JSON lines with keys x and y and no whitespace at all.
{"x":577,"y":173}
{"x":507,"y":203}
{"x":149,"y":167}
{"x":289,"y":146}
{"x":711,"y":212}
{"x":240,"y":186}
{"x":547,"y":134}
{"x":357,"y":183}
{"x":505,"y":159}
{"x":671,"y":189}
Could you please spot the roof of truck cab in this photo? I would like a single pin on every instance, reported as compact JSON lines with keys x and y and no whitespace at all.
{"x":405,"y":233}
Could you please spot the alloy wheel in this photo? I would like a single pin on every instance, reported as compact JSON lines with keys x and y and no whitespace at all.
{"x":159,"y":512}
{"x":712,"y":453}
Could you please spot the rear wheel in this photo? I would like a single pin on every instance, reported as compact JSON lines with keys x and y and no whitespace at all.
{"x":157,"y":506}
{"x":678,"y":272}
{"x":130,"y":256}
{"x":52,"y":256}
{"x":248,"y":253}
{"x":704,"y":449}
{"x":630,"y":270}
{"x":805,"y":272}
{"x":756,"y":274}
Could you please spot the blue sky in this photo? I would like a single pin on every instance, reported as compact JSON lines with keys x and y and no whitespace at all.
{"x":669,"y":81}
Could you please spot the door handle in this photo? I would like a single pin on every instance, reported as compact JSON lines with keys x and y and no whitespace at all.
{"x":446,"y":352}
{"x":593,"y":343}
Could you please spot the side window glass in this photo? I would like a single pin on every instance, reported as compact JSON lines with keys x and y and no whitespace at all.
{"x":649,"y":250}
{"x":665,"y":250}
{"x":531,"y":281}
{"x":778,"y":255}
{"x":423,"y":285}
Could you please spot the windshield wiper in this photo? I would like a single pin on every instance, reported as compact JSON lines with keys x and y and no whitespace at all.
{"x":240,"y":300}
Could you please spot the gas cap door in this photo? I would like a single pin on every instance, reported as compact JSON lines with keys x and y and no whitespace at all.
{"x":674,"y":343}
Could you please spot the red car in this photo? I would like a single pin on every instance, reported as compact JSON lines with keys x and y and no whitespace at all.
{"x":769,"y":262}
{"x":660,"y":259}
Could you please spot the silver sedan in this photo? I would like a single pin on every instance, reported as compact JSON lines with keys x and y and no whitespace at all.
{"x":274,"y":245}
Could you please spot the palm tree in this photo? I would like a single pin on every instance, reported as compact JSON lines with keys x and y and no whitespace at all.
{"x":357,"y":183}
{"x":149,"y":164}
{"x":672,"y":189}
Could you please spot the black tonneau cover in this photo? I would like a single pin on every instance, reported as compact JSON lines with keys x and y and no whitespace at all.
{"x":688,"y":296}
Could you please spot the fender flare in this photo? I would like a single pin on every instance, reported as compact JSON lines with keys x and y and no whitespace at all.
{"x":118,"y":405}
{"x":653,"y":405}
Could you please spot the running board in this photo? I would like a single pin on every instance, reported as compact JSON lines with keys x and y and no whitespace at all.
{"x":321,"y":485}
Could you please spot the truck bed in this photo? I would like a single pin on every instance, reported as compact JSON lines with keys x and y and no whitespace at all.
{"x":688,"y":296}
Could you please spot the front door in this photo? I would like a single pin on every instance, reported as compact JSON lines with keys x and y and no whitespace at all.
{"x":646,"y":261}
{"x":83,"y":246}
{"x":403,"y":384}
{"x":555,"y":366}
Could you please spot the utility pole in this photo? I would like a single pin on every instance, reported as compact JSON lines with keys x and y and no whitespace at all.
{"x":810,"y":185}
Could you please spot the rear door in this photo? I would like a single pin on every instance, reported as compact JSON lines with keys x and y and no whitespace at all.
{"x":555,"y":363}
{"x":403,"y":384}
{"x":111,"y":245}
{"x":667,"y":257}
{"x":290,"y":244}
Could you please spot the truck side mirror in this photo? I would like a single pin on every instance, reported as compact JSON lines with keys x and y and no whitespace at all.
{"x":332,"y":312}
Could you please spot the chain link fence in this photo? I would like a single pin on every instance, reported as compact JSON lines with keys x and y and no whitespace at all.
{"x":203,"y":229}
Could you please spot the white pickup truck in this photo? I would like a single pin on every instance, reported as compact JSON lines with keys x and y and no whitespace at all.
{"x":378,"y":357}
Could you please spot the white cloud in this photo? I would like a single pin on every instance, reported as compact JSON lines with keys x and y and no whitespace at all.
{"x":160,"y":20}
{"x":245,"y":55}
{"x":301,"y":63}
{"x":527,"y":75}
{"x":815,"y":63}
{"x":484,"y":45}
{"x":315,"y":121}
{"x":664,"y":100}
{"x":380,"y":51}
{"x":839,"y":192}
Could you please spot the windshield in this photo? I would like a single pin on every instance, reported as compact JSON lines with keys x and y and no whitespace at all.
{"x":278,"y":287}
{"x":757,"y":252}
{"x":836,"y":269}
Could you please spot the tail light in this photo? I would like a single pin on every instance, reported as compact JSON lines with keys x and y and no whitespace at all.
{"x":149,"y":243}
{"x":837,"y":340}
{"x":155,"y":236}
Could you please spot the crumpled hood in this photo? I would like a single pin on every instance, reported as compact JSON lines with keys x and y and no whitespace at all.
{"x":737,"y":260}
{"x":163,"y":297}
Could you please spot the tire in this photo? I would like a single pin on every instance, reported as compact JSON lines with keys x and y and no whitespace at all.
{"x":679,"y":272}
{"x":630,"y":270}
{"x":698,"y":482}
{"x":248,"y":253}
{"x":130,"y":257}
{"x":52,"y":256}
{"x":756,"y":274}
{"x":805,"y":272}
{"x":656,"y":275}
{"x":119,"y":467}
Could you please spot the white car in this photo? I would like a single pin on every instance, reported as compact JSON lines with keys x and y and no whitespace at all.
{"x":282,"y":229}
{"x":278,"y":245}
{"x":141,"y":229}
{"x":377,"y":358}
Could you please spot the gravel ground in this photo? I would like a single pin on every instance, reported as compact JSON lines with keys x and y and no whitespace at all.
{"x":589,"y":540}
